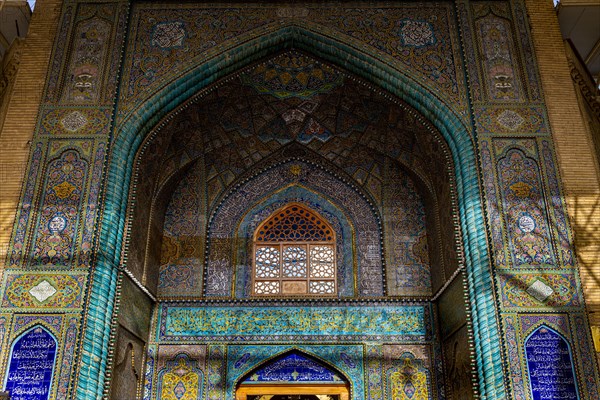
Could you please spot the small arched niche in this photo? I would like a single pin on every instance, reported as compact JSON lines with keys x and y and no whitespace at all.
{"x":31,"y":365}
{"x":293,"y":375}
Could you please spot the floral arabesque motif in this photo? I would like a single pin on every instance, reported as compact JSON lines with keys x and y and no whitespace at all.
{"x":497,"y":48}
{"x":409,"y":380}
{"x":525,"y":216}
{"x":564,"y":290}
{"x":168,"y":34}
{"x":416,"y":33}
{"x":60,"y":207}
{"x":180,"y":380}
{"x":68,"y":291}
{"x":86,"y":67}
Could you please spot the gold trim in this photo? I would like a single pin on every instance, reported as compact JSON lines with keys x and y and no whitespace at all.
{"x":319,"y":389}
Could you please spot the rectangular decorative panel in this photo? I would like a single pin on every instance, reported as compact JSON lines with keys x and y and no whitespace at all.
{"x":280,"y":323}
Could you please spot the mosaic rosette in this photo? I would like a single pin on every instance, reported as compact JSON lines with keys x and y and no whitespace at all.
{"x":511,"y":120}
{"x":43,"y":290}
{"x":75,"y":121}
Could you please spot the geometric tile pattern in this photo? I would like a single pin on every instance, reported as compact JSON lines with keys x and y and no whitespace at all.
{"x":510,"y":120}
{"x":74,"y":121}
{"x":56,"y":223}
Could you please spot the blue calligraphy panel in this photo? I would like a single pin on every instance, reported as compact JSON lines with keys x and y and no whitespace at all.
{"x":294,"y":367}
{"x":550,"y":367}
{"x":31,"y":364}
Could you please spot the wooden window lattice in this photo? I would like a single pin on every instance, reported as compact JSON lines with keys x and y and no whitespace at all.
{"x":294,"y":254}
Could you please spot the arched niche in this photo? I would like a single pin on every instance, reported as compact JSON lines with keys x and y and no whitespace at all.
{"x":410,"y":245}
{"x":293,"y":372}
{"x":204,"y":164}
{"x":134,"y":131}
{"x":180,"y":378}
{"x":30,"y":370}
{"x":389,"y":146}
{"x":343,"y":227}
{"x":362,"y":214}
{"x":550,"y":367}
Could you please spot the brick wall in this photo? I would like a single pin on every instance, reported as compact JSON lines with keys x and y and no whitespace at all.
{"x":21,"y":107}
{"x":574,"y":147}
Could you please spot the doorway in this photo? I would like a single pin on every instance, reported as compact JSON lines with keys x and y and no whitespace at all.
{"x":292,"y":392}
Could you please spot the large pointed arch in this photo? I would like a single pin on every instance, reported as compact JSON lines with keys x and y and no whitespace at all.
{"x":396,"y":80}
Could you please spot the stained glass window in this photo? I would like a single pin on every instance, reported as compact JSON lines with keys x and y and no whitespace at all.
{"x":294,"y":254}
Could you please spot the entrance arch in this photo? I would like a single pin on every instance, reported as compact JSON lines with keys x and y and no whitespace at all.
{"x":293,"y":375}
{"x":103,"y":292}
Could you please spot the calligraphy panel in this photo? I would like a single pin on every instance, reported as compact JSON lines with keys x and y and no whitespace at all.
{"x":551,"y":374}
{"x":283,"y":323}
{"x":31,"y":365}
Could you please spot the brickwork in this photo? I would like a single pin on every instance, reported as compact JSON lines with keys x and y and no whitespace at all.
{"x":574,"y":148}
{"x":21,"y":113}
{"x":110,"y":153}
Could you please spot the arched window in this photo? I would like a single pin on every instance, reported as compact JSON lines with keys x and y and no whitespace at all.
{"x":294,"y":254}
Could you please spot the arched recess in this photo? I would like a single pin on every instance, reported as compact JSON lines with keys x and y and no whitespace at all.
{"x":34,"y":351}
{"x":294,"y":171}
{"x":344,"y":231}
{"x":393,"y":78}
{"x":325,"y":379}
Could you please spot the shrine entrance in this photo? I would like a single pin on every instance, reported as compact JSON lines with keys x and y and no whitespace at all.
{"x":293,"y":376}
{"x":293,"y":392}
{"x":295,"y":397}
{"x":265,"y":242}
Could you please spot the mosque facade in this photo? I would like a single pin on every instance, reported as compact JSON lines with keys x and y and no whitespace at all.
{"x":303,"y":200}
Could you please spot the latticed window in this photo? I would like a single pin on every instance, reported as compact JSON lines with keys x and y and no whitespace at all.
{"x":294,"y":254}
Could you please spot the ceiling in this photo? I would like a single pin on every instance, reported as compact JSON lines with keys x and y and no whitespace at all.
{"x":580,"y":22}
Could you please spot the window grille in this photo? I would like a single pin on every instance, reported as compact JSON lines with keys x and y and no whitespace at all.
{"x":294,"y":254}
